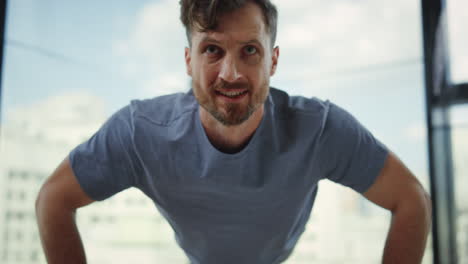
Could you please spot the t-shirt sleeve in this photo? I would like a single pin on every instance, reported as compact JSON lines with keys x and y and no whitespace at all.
{"x":348,"y":153}
{"x":106,"y":163}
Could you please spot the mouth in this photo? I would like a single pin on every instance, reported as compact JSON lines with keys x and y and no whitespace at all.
{"x":232,"y":93}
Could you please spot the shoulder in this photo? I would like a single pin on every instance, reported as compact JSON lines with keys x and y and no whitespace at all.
{"x":163,"y":110}
{"x":314,"y":112}
{"x":293,"y":106}
{"x":293,"y":103}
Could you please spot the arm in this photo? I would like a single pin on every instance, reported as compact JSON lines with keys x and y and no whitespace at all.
{"x":56,"y":206}
{"x":397,"y":190}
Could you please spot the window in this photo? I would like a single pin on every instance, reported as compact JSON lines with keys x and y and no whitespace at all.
{"x":367,"y":57}
{"x":22,"y":195}
{"x":34,"y":256}
{"x":9,"y":195}
{"x":458,"y":40}
{"x":19,"y":236}
{"x":68,"y":65}
{"x":459,"y":122}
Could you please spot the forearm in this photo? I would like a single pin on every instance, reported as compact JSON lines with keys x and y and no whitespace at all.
{"x":59,"y":235}
{"x":406,"y":240}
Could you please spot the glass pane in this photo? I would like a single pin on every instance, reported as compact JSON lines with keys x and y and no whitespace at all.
{"x":366,"y":57}
{"x":459,"y":119}
{"x":70,"y":65}
{"x":458,"y":39}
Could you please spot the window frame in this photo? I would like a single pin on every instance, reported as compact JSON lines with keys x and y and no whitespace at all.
{"x":441,"y":94}
{"x":3,"y":7}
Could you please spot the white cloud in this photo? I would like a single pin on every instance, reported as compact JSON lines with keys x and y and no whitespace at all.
{"x":155,"y":49}
{"x":166,"y":84}
{"x":322,"y":36}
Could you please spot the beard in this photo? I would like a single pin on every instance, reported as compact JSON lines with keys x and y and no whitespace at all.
{"x":230,"y":114}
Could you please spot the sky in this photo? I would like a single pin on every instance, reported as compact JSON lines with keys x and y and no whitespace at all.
{"x":364,"y":55}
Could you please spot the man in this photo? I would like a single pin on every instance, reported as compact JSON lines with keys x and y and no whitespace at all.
{"x":233,"y":164}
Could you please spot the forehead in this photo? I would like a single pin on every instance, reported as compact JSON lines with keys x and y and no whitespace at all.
{"x":242,"y":25}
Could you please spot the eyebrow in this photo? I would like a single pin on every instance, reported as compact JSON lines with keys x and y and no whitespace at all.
{"x":210,"y":39}
{"x":252,"y":41}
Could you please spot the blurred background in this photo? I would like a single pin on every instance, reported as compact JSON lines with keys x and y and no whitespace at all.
{"x":68,"y":65}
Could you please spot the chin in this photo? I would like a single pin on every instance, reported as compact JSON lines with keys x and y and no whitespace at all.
{"x":231,"y":114}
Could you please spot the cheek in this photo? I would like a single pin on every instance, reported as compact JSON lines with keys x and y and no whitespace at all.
{"x":261,"y":73}
{"x":208,"y":75}
{"x":254,"y":61}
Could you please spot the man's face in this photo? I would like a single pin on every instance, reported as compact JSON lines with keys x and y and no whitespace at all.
{"x":231,"y":66}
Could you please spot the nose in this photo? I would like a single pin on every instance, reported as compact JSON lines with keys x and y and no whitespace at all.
{"x":229,"y":71}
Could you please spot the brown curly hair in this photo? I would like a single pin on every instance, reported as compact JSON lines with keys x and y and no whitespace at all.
{"x":202,"y":15}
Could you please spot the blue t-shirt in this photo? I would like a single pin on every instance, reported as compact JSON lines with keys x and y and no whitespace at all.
{"x":247,"y":207}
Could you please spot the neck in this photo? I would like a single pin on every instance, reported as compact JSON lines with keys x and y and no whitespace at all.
{"x":230,"y":139}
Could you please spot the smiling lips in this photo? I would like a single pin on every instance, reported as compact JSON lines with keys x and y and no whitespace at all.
{"x":234,"y":93}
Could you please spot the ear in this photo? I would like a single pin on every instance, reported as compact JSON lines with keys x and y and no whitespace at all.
{"x":274,"y":60}
{"x":188,"y":60}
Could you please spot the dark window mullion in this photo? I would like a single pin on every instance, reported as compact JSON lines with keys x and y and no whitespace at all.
{"x":3,"y":4}
{"x":439,"y":97}
{"x":455,"y":94}
{"x":459,"y":94}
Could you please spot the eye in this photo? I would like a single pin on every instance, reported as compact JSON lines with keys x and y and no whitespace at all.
{"x":250,"y":50}
{"x":212,"y":50}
